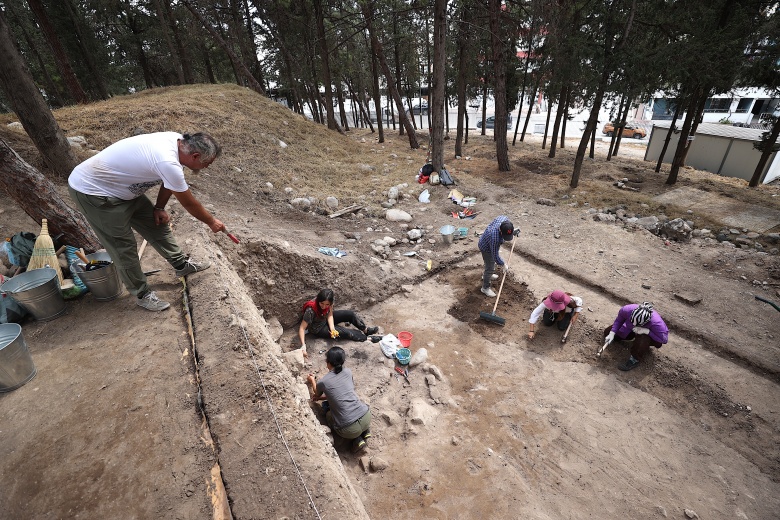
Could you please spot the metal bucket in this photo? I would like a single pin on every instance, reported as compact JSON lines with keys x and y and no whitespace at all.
{"x":103,"y":283}
{"x":447,"y":233}
{"x":38,"y":291}
{"x":16,"y":364}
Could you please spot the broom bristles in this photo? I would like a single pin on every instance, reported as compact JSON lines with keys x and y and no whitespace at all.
{"x":43,"y":252}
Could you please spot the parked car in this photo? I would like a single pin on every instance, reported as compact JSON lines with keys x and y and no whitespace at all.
{"x":490,"y":122}
{"x":630,"y":130}
{"x":420,"y":108}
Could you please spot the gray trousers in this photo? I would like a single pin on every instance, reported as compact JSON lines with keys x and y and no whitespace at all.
{"x":490,"y":266}
{"x":114,"y":220}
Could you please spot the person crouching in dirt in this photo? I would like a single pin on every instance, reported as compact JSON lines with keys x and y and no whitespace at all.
{"x":319,"y":319}
{"x":643,"y":325}
{"x":347,"y":415}
{"x":558,"y":307}
{"x":499,"y":231}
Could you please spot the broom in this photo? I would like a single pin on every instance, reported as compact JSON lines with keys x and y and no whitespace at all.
{"x":43,"y":254}
{"x":491,"y":316}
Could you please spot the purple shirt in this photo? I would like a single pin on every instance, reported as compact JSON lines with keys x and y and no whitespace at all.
{"x":491,"y":239}
{"x":623,"y":327}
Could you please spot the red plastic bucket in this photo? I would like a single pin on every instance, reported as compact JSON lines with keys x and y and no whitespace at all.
{"x":405,"y":338}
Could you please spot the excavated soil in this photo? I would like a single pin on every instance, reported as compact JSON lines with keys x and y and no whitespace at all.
{"x":202,"y":410}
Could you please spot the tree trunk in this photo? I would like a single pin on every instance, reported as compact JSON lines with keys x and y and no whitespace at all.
{"x":557,"y":124}
{"x":184,"y":56}
{"x":63,"y":63}
{"x":679,"y":154}
{"x":484,"y":107}
{"x":769,"y":145}
{"x":623,"y":118}
{"x":565,"y":117}
{"x":499,"y":68}
{"x":672,"y":127}
{"x":30,"y":107}
{"x":436,"y":103}
{"x":377,"y":49}
{"x":175,"y":58}
{"x":546,"y":124}
{"x":238,"y":64}
{"x":324,"y":55}
{"x":52,"y":92}
{"x":38,"y":197}
{"x":86,"y":55}
{"x":530,"y":109}
{"x":525,"y":81}
{"x":377,"y":97}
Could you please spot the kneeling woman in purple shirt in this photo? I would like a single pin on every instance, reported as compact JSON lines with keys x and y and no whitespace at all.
{"x":643,"y":325}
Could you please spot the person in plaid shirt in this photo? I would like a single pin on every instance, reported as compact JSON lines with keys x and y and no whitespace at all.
{"x":499,"y":231}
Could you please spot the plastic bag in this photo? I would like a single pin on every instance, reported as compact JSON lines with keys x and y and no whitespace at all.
{"x":424,"y":197}
{"x":389,"y":345}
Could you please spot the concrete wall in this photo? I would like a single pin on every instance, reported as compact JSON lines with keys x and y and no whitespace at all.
{"x":730,"y":157}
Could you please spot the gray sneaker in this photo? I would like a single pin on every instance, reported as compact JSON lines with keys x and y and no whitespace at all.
{"x":192,"y":267}
{"x":488,"y":292}
{"x":151,"y":302}
{"x":493,"y":276}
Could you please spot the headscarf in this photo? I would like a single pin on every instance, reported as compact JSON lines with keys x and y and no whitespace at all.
{"x":642,"y":314}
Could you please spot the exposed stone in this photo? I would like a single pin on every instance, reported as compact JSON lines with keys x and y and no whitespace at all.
{"x":414,"y":234}
{"x":275,"y":328}
{"x":301,"y":203}
{"x":677,"y":229}
{"x":690,"y":513}
{"x":378,"y":464}
{"x":419,"y":357}
{"x":397,"y":215}
{"x":604,"y":217}
{"x":430,"y":379}
{"x":649,"y":223}
{"x":332,"y":202}
{"x":690,"y":299}
{"x":545,"y":202}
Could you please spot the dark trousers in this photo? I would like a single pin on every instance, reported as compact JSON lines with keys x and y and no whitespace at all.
{"x":349,"y":317}
{"x":549,"y":317}
{"x":640,"y":343}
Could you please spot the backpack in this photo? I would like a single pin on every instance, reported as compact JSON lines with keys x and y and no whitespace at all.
{"x":426,"y":170}
{"x":19,"y":248}
{"x":445,"y":178}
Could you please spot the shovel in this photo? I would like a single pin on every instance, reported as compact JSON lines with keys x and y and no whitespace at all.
{"x":566,"y":334}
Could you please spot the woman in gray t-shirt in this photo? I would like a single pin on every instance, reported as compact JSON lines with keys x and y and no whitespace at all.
{"x":348,"y":416}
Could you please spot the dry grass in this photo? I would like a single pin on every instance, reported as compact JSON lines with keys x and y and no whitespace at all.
{"x":354,"y":167}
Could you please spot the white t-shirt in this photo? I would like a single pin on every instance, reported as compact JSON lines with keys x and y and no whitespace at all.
{"x":129,"y":167}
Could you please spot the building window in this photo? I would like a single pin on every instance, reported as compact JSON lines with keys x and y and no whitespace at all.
{"x":717,"y":105}
{"x":744,"y":105}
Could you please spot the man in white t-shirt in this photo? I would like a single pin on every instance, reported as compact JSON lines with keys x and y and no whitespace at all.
{"x":109,"y":189}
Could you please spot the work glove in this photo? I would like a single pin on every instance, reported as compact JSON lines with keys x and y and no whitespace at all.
{"x":610,"y":337}
{"x":516,"y":233}
{"x":334,"y":334}
{"x":641,"y":330}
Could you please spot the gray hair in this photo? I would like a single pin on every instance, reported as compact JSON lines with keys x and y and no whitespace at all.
{"x":208,"y":148}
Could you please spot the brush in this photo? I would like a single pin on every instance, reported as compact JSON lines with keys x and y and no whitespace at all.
{"x":43,"y":253}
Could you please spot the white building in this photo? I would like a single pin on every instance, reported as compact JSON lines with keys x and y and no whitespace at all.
{"x":738,"y":107}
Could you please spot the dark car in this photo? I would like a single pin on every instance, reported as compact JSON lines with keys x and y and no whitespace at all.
{"x":490,"y":122}
{"x":420,"y":109}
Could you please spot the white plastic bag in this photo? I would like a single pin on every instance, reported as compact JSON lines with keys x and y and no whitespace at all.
{"x":424,"y":197}
{"x":389,"y":345}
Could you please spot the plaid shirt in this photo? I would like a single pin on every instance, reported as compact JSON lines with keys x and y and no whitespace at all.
{"x":491,"y":239}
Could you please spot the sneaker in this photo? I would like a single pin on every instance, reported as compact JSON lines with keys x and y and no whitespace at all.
{"x":191,"y":266}
{"x":493,"y":276}
{"x":629,"y":365}
{"x":488,"y":292}
{"x":370,"y":331}
{"x":359,"y":444}
{"x":151,"y":302}
{"x":366,"y":434}
{"x":375,"y":339}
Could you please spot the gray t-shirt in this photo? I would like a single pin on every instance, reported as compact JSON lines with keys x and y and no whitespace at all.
{"x":345,"y":406}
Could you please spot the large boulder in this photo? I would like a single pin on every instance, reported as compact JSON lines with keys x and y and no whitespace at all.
{"x":677,"y":229}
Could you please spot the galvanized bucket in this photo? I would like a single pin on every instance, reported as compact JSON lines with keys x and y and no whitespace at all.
{"x":38,"y":291}
{"x":16,"y":364}
{"x":103,"y":283}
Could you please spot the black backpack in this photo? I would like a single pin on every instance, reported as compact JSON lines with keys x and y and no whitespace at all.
{"x":445,"y":178}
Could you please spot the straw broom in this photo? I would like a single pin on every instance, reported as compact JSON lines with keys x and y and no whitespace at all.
{"x":43,"y":252}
